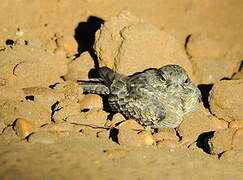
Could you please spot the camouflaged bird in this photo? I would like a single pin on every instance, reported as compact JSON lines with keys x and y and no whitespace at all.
{"x":155,"y":97}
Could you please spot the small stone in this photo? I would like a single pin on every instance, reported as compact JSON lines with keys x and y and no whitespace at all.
{"x":113,"y":152}
{"x":79,"y":68}
{"x":131,"y":133}
{"x":236,"y":124}
{"x":44,"y":96}
{"x":232,"y":156}
{"x":147,"y":137}
{"x":168,"y":143}
{"x":63,"y":111}
{"x":130,"y":137}
{"x":23,"y":128}
{"x":9,"y":132}
{"x":72,"y":91}
{"x":43,"y":137}
{"x":226,"y":100}
{"x":117,"y":118}
{"x":91,"y":101}
{"x":94,"y":117}
{"x":35,"y":113}
{"x":221,"y":141}
{"x":238,"y":75}
{"x":130,"y":124}
{"x":9,"y":93}
{"x":166,"y":134}
{"x":199,"y":122}
{"x":237,"y":140}
{"x":76,"y":118}
{"x":70,"y":45}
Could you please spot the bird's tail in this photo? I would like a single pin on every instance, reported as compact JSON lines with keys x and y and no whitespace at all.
{"x":95,"y":86}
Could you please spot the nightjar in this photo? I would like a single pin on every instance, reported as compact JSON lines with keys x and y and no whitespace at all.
{"x":155,"y":97}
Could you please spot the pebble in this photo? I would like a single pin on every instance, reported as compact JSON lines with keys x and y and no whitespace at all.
{"x":221,"y":141}
{"x":23,"y":128}
{"x":43,"y":137}
{"x":91,"y":101}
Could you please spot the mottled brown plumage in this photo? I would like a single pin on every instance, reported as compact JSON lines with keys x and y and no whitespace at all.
{"x":155,"y":97}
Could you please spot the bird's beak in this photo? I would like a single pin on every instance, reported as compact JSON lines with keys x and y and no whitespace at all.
{"x":174,"y":85}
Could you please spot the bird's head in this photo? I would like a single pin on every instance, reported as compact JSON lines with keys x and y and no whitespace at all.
{"x":174,"y":76}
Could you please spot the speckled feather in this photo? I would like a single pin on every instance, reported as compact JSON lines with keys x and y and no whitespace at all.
{"x":155,"y":97}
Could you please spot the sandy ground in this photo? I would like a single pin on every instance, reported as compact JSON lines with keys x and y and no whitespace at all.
{"x":45,"y":46}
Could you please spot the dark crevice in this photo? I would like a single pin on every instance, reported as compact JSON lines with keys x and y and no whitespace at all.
{"x":53,"y":109}
{"x":186,"y":43}
{"x":202,"y":141}
{"x":177,"y":133}
{"x":30,"y":98}
{"x":114,"y":135}
{"x":205,"y":89}
{"x":9,"y":42}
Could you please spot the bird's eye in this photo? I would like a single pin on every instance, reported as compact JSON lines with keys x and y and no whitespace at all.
{"x":162,"y":77}
{"x":187,"y":81}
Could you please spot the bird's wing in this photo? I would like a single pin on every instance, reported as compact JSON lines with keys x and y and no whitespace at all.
{"x":143,"y":91}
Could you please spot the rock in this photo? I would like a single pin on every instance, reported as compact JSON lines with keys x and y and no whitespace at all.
{"x":79,"y":68}
{"x":130,"y":124}
{"x":165,"y":134}
{"x":237,"y":140}
{"x":43,"y":137}
{"x":226,"y":100}
{"x":168,"y":143}
{"x":201,"y":45}
{"x":199,"y":122}
{"x":9,"y":93}
{"x":94,"y":117}
{"x":209,"y":70}
{"x":131,"y":134}
{"x":72,"y":91}
{"x":127,"y":45}
{"x":34,"y":112}
{"x":130,"y":137}
{"x":236,"y":124}
{"x":68,"y":44}
{"x":221,"y":141}
{"x":91,"y":101}
{"x":25,"y":66}
{"x":23,"y":128}
{"x":233,"y":156}
{"x":76,"y":118}
{"x":65,"y":109}
{"x":116,"y":120}
{"x":45,"y":96}
{"x":9,"y":133}
{"x":237,"y":76}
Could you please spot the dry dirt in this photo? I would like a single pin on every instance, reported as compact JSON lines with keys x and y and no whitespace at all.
{"x":49,"y":129}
